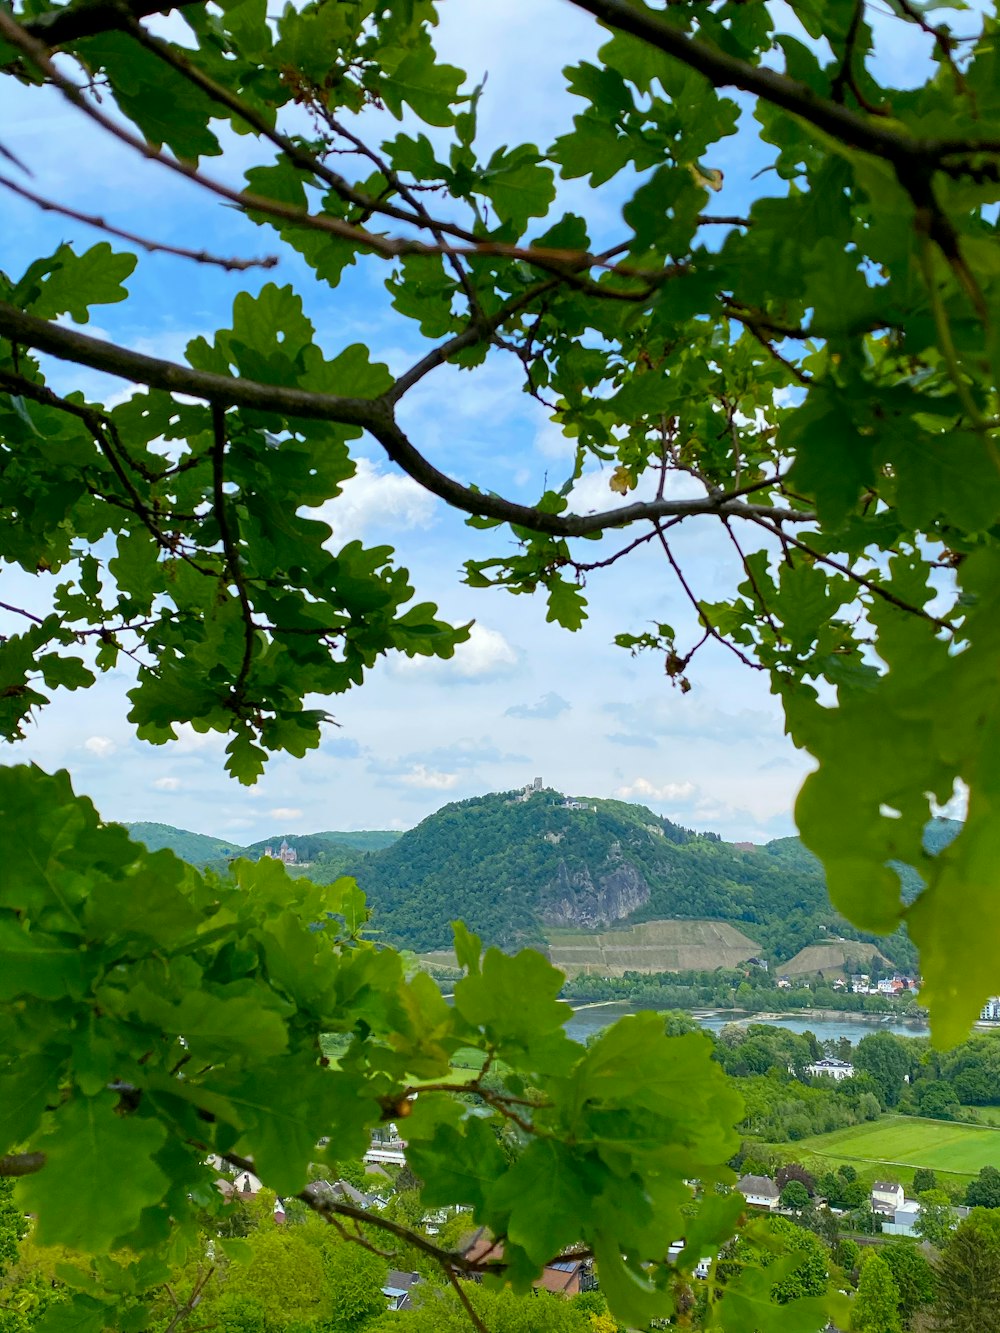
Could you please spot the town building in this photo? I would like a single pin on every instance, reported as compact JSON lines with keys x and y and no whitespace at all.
{"x":887,"y":1196}
{"x":563,"y":1277}
{"x":759,"y":1191}
{"x":387,"y":1149}
{"x":529,"y":789}
{"x":398,"y":1285}
{"x":830,"y":1068}
{"x":991,"y":1010}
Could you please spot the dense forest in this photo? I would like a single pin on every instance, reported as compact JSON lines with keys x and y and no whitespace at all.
{"x":508,"y":868}
{"x":201,"y":849}
{"x":512,"y":868}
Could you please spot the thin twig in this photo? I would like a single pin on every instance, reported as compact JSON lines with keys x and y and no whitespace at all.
{"x":21,"y":1163}
{"x":752,"y":577}
{"x":875,"y":588}
{"x":462,"y":1295}
{"x":152,"y":247}
{"x":190,"y":1305}
{"x":20,"y":611}
{"x":710,"y":629}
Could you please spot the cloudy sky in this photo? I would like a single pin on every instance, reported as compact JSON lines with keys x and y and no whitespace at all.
{"x":522,"y":698}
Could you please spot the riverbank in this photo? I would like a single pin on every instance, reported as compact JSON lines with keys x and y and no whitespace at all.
{"x":822,"y":1015}
{"x":825,"y":1024}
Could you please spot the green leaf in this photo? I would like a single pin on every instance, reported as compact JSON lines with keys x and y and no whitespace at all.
{"x":545,"y":1195}
{"x":33,"y":964}
{"x":87,"y":1140}
{"x":567,"y":604}
{"x":68,"y":283}
{"x":25,"y":1089}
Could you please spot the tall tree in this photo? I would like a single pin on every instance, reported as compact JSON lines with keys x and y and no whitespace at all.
{"x":968,"y":1276}
{"x":812,"y":377}
{"x":876,"y":1306}
{"x":913,"y":1276}
{"x":13,"y":1226}
{"x":924,"y":1179}
{"x":936,"y":1217}
{"x":887,"y":1059}
{"x":984,"y":1191}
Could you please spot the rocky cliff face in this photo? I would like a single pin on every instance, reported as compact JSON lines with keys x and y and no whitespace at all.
{"x":574,"y":899}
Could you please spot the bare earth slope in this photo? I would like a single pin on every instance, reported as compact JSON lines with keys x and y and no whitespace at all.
{"x":833,"y":959}
{"x":655,"y":946}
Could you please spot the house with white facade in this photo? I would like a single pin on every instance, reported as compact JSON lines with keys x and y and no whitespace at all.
{"x":887,"y":1196}
{"x":991,"y":1010}
{"x":830,"y":1068}
{"x":387,"y":1148}
{"x":759,"y":1191}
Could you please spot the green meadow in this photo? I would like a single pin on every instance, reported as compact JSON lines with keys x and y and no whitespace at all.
{"x":908,"y":1142}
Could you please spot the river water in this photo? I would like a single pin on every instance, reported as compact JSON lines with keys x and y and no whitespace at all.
{"x":591,"y":1019}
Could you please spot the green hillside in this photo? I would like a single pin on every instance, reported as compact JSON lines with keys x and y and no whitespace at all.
{"x":200,"y":849}
{"x":312,"y":846}
{"x":541,"y":870}
{"x":196,"y":848}
{"x":513,"y":870}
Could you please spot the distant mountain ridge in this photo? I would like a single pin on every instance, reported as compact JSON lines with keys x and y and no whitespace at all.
{"x":518,"y":870}
{"x":201,"y":849}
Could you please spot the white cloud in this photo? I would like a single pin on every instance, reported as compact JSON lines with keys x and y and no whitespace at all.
{"x":188,"y":739}
{"x":486,"y":654}
{"x":373,"y":499}
{"x":101,"y":746}
{"x":550,"y":442}
{"x":427,"y":779}
{"x":648,"y":791}
{"x":168,"y":784}
{"x":593,"y":493}
{"x":285,"y":812}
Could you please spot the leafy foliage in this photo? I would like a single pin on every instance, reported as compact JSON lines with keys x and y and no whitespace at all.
{"x":968,"y":1274}
{"x":513,"y":868}
{"x":823,"y":371}
{"x":876,"y":1306}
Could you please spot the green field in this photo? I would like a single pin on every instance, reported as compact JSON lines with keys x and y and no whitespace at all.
{"x":906,"y":1141}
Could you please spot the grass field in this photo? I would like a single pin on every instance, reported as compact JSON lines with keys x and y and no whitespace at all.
{"x":906,"y":1141}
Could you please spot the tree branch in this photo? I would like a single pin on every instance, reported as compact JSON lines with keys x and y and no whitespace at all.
{"x":152,"y":247}
{"x":89,"y":18}
{"x":463,"y":1296}
{"x":21,"y":1164}
{"x":725,"y":71}
{"x":374,"y":414}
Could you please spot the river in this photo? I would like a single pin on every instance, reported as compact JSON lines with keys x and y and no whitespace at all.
{"x":592,"y":1018}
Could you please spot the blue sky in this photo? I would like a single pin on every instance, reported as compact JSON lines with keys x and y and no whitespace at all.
{"x":522,"y":698}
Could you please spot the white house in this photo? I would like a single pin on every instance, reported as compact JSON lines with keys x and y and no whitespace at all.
{"x":387,"y":1149}
{"x":386,"y":1154}
{"x":759,"y":1191}
{"x":887,"y":1196}
{"x":702,"y":1268}
{"x":991,"y":1010}
{"x":830,"y":1068}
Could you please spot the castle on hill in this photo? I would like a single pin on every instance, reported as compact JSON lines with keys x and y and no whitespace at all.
{"x":285,"y":854}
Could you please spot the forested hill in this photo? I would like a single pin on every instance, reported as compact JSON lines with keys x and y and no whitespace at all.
{"x":200,"y":849}
{"x":514,"y":869}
